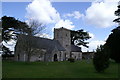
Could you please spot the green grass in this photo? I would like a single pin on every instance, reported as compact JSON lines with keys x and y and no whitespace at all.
{"x":79,"y":69}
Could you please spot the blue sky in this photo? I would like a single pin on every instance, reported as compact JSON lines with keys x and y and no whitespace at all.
{"x":78,"y":15}
{"x":14,"y":9}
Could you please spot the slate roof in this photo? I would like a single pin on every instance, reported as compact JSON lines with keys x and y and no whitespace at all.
{"x":75,"y":48}
{"x":43,"y":43}
{"x":88,"y":52}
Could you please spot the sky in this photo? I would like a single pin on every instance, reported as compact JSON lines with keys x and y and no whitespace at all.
{"x":94,"y":17}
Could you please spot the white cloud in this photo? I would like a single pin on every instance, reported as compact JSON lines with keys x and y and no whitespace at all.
{"x":93,"y":45}
{"x":44,"y":35}
{"x":10,"y":44}
{"x":43,"y":11}
{"x":75,"y":14}
{"x":91,"y":35}
{"x":101,"y":14}
{"x":64,"y":23}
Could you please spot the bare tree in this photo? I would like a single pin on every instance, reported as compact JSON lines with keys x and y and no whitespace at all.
{"x":34,"y":28}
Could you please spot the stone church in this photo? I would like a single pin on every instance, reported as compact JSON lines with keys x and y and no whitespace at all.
{"x":43,"y":49}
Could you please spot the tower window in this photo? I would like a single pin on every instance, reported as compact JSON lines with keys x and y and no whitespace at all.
{"x":66,"y":45}
{"x":57,"y":34}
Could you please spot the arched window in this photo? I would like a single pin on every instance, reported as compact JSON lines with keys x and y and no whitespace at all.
{"x":18,"y":56}
{"x":65,"y":56}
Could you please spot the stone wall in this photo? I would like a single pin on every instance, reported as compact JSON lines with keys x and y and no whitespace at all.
{"x":87,"y":55}
{"x":77,"y":55}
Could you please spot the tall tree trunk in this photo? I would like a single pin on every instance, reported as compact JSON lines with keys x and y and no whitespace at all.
{"x":28,"y":57}
{"x":29,"y":48}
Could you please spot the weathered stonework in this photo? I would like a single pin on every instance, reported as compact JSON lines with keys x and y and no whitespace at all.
{"x":58,"y":49}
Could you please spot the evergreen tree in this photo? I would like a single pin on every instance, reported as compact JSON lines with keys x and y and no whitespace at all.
{"x":113,"y":40}
{"x":101,"y":58}
{"x":12,"y":27}
{"x":79,"y":37}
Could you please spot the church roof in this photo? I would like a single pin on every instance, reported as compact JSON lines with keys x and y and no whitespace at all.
{"x":75,"y":48}
{"x":43,"y":43}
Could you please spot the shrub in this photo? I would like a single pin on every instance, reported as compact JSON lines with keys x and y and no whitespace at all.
{"x":71,"y":59}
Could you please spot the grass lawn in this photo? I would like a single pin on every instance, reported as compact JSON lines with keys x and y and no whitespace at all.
{"x":79,"y":69}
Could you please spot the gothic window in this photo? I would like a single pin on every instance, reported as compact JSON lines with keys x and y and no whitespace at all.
{"x":65,"y":56}
{"x":75,"y":57}
{"x":24,"y":57}
{"x":18,"y":57}
{"x":60,"y":54}
{"x":66,"y":34}
{"x":79,"y":55}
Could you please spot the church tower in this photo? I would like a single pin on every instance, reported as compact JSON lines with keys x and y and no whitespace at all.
{"x":63,"y":36}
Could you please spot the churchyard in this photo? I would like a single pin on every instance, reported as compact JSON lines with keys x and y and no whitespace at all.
{"x":65,"y":69}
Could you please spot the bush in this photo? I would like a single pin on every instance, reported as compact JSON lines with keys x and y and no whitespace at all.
{"x":4,"y":56}
{"x":71,"y":59}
